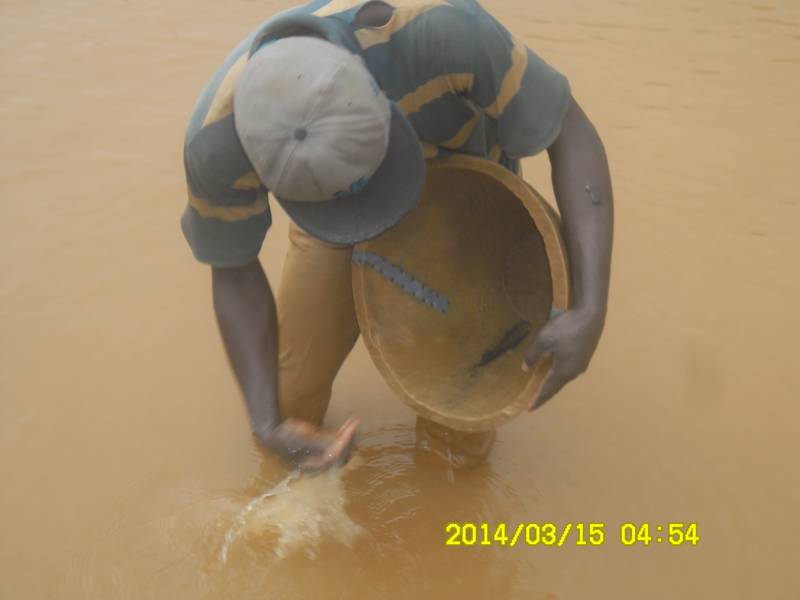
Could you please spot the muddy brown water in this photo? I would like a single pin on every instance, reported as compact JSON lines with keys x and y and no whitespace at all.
{"x":125,"y":458}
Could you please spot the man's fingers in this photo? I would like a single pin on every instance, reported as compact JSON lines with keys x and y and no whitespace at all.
{"x":534,"y":353}
{"x":533,"y":403}
{"x":318,"y":462}
{"x":350,"y":423}
{"x":340,"y":446}
{"x":343,"y":439}
{"x":335,"y":450}
{"x":550,"y":387}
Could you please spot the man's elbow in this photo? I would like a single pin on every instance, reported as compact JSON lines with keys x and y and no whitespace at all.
{"x":577,"y":133}
{"x":229,"y":283}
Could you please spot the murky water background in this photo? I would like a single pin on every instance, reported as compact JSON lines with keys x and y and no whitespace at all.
{"x":125,"y":457}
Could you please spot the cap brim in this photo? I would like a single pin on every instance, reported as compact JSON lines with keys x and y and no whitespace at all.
{"x":391,"y":193}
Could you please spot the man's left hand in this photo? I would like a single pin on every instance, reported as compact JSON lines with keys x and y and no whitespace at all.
{"x":570,"y":337}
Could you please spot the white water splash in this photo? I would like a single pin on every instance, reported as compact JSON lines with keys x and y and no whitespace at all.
{"x":302,"y":510}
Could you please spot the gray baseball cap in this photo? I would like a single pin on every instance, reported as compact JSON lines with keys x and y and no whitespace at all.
{"x":339,"y":156}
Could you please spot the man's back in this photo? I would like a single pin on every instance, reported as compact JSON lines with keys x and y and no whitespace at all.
{"x":465,"y":84}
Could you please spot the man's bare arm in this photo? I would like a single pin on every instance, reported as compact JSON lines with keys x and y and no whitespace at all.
{"x":245,"y":309}
{"x":247,"y":319}
{"x":582,"y":185}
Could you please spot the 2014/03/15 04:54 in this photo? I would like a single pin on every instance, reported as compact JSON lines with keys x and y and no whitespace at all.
{"x":579,"y":534}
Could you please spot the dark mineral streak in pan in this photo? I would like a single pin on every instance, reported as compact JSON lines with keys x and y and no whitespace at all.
{"x":510,"y":340}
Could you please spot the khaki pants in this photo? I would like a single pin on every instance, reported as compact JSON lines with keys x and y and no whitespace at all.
{"x":318,"y":328}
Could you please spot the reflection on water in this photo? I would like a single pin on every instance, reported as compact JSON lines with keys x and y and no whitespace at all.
{"x":125,"y":457}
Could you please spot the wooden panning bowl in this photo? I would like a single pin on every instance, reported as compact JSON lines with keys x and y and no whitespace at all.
{"x":449,"y":299}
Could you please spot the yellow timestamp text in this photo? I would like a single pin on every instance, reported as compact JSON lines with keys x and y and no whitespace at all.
{"x":575,"y":534}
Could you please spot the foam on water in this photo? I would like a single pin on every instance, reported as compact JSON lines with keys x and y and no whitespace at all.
{"x":301,"y":511}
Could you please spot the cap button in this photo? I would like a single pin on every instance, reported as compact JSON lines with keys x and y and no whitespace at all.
{"x":300,"y":133}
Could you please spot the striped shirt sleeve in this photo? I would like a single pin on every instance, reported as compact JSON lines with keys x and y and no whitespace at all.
{"x":512,"y":85}
{"x":227,"y":215}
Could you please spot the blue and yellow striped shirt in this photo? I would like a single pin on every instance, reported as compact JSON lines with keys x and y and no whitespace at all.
{"x":465,"y":83}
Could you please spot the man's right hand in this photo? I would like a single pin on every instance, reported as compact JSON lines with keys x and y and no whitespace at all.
{"x":309,"y":448}
{"x":245,"y":309}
